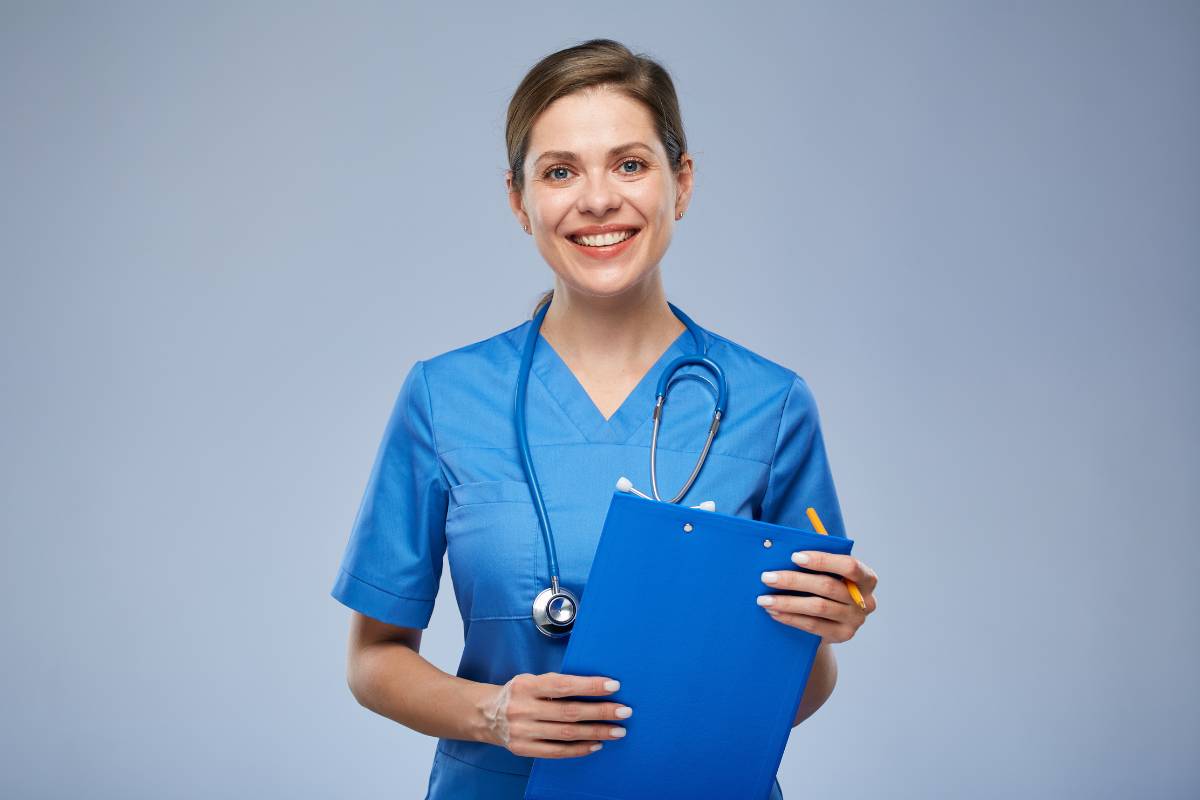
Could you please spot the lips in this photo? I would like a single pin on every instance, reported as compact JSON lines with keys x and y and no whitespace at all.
{"x":606,"y":234}
{"x":606,"y":251}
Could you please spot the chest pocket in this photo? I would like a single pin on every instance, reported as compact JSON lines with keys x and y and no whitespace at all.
{"x":492,"y":541}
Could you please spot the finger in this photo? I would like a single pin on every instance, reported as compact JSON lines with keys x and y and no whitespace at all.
{"x":794,"y":580}
{"x":844,"y":565}
{"x":871,"y":581}
{"x":821,"y":607}
{"x":572,"y":731}
{"x":828,"y":631}
{"x":556,"y":684}
{"x":579,"y":710}
{"x":535,"y":748}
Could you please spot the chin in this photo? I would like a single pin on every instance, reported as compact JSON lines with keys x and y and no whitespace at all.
{"x":609,"y":284}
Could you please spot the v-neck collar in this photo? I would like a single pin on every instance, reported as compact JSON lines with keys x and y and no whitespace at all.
{"x":577,"y":404}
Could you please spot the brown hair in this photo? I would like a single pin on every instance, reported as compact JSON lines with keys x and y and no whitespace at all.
{"x":596,"y":62}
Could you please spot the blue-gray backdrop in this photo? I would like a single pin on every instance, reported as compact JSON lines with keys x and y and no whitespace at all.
{"x":228,"y":230}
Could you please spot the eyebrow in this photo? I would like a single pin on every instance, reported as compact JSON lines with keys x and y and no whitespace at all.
{"x":567,"y":155}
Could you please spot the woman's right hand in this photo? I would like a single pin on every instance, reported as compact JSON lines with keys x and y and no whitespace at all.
{"x":526,"y":715}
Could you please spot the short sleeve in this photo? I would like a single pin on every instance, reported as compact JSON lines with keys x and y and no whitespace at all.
{"x":392,"y":565}
{"x":799,"y":476}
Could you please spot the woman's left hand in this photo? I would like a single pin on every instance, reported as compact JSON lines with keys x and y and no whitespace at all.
{"x":831,"y":613}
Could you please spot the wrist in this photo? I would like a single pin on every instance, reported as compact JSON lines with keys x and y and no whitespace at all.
{"x":486,"y":708}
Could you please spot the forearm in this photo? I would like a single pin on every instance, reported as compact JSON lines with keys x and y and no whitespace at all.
{"x":821,"y":681}
{"x":395,"y":681}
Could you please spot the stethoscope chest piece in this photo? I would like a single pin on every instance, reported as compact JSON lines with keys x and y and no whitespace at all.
{"x":554,"y":611}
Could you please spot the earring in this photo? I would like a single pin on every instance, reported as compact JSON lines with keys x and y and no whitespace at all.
{"x":680,"y":215}
{"x":526,"y":227}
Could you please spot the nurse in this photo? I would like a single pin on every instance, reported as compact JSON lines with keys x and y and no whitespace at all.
{"x":599,"y":175}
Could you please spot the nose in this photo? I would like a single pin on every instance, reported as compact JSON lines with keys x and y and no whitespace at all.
{"x":598,"y":195}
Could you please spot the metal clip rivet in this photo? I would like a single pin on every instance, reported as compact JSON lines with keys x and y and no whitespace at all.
{"x":766,"y":542}
{"x":687,"y":527}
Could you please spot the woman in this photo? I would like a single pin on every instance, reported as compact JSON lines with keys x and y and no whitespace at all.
{"x":599,"y":175}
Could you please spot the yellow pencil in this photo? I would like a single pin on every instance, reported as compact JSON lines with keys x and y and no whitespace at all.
{"x":819,"y":528}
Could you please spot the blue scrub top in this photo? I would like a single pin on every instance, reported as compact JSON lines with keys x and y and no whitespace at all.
{"x":447,"y":481}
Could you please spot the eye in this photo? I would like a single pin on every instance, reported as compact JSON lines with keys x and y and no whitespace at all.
{"x":551,"y":172}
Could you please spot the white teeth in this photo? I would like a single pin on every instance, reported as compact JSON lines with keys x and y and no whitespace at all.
{"x":603,"y":239}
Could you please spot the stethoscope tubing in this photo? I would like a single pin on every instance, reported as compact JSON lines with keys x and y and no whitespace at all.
{"x":660,"y":402}
{"x":535,"y":489}
{"x":545,"y":621}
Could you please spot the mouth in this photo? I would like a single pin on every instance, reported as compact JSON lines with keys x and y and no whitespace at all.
{"x":603,"y":247}
{"x":599,"y":241}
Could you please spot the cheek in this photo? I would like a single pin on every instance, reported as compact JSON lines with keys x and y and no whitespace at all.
{"x":551,"y":209}
{"x":651,"y":199}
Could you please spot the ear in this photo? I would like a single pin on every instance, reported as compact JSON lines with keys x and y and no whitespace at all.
{"x":684,"y":180}
{"x":515,"y":201}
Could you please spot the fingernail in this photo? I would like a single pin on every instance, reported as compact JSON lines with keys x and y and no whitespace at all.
{"x":624,"y":711}
{"x":766,"y":600}
{"x":612,"y":686}
{"x":596,"y":746}
{"x":800,"y":558}
{"x":769,"y":577}
{"x":617,"y":732}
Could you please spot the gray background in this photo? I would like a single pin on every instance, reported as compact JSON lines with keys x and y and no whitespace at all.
{"x":228,"y":231}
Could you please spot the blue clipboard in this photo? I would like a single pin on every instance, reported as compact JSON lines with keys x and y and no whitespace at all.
{"x":713,"y":681}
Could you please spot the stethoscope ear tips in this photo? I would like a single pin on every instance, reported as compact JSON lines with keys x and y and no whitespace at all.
{"x":626,"y":485}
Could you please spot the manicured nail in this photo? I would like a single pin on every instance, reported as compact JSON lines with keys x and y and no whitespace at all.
{"x":624,"y":711}
{"x":800,"y":558}
{"x":617,"y":732}
{"x":769,"y":577}
{"x":612,"y":686}
{"x":766,"y":600}
{"x":596,"y":746}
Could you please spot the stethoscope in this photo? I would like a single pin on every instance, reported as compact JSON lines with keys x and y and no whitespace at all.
{"x":555,"y":608}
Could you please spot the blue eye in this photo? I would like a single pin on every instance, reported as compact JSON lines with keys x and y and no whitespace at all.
{"x":551,"y":171}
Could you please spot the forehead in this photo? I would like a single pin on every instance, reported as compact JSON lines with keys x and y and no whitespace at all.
{"x":589,"y":122}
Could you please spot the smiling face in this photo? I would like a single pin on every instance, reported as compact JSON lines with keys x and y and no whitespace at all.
{"x":600,"y":197}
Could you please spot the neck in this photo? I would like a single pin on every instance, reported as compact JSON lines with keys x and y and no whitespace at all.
{"x":611,"y":330}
